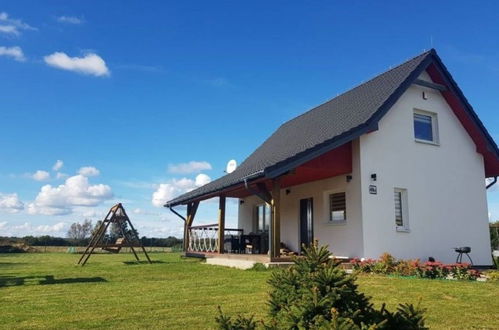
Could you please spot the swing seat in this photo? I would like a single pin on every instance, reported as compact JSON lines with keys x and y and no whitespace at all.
{"x":116,"y":247}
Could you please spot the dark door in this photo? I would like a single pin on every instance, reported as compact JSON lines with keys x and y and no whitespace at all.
{"x":306,"y":221}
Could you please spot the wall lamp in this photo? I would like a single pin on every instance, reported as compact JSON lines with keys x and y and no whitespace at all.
{"x":349,"y":178}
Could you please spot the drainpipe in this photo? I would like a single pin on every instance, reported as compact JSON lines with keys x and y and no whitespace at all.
{"x":178,"y":214}
{"x":492,"y":183}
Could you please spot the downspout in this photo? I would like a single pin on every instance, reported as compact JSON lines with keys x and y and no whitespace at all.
{"x":185,"y":223}
{"x":492,"y":183}
{"x":178,"y":214}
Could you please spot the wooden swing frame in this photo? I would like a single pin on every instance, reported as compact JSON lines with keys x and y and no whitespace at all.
{"x":116,"y":214}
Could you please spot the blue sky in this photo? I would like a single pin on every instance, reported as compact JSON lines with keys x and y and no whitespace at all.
{"x":124,"y":93}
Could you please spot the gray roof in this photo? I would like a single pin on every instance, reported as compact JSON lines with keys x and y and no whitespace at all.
{"x":322,"y":128}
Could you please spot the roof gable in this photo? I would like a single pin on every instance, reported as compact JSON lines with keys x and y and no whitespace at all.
{"x":343,"y":119}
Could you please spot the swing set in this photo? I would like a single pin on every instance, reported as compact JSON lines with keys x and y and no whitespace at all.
{"x":128,"y":238}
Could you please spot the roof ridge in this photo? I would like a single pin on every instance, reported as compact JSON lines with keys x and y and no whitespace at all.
{"x":432,"y":50}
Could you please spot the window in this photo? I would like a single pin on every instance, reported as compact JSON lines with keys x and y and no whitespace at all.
{"x":337,"y":207}
{"x":401,"y":215}
{"x":425,"y":127}
{"x":262,"y":218}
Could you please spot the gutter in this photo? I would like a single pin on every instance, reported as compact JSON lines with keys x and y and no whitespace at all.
{"x":492,"y":183}
{"x":175,"y":202}
{"x":178,"y":214}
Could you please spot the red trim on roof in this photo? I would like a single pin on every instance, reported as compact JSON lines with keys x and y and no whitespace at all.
{"x":491,"y":162}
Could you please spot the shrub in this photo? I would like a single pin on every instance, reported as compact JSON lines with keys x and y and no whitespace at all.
{"x":432,"y":269}
{"x":387,"y":263}
{"x":317,"y":294}
{"x":258,"y":267}
{"x":406,"y":267}
{"x":492,"y":275}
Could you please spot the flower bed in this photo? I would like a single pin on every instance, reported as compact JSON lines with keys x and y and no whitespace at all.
{"x":388,"y":265}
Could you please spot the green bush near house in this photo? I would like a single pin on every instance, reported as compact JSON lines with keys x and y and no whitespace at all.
{"x":388,"y":265}
{"x":317,"y":294}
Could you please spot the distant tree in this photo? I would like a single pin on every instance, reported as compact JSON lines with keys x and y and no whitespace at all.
{"x":494,"y":235}
{"x":96,"y":227}
{"x":80,"y":231}
{"x":116,"y":232}
{"x":46,"y":241}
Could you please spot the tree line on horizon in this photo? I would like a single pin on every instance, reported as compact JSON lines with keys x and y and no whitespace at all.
{"x":79,"y":234}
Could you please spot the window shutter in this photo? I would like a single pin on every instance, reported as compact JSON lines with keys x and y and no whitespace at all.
{"x":337,"y":206}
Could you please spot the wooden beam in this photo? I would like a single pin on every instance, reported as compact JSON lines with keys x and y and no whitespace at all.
{"x":221,"y":224}
{"x":263,"y":193}
{"x":275,"y":225}
{"x":191,"y":213}
{"x":430,"y":84}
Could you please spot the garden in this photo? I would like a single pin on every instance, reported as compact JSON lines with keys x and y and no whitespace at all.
{"x":47,"y":290}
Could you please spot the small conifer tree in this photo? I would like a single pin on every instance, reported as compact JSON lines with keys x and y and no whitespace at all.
{"x":317,"y":294}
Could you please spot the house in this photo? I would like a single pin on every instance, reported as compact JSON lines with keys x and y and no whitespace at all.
{"x":396,"y":164}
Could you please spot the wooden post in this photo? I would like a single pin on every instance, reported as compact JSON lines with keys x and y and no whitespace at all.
{"x":221,"y":224}
{"x":275,"y":225}
{"x":186,"y":228}
{"x":191,"y":213}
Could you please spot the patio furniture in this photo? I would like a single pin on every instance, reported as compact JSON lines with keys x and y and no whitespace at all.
{"x":235,"y":244}
{"x":251,"y":243}
{"x":463,"y":250}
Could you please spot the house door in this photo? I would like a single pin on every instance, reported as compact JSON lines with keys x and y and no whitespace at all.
{"x":306,"y":221}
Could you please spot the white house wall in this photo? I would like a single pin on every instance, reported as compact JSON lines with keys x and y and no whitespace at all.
{"x":343,"y":239}
{"x":445,"y":185}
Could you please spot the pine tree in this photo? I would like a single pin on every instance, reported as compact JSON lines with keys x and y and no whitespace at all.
{"x":317,"y":294}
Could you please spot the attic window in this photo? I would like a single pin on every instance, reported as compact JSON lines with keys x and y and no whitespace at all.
{"x":425,"y":127}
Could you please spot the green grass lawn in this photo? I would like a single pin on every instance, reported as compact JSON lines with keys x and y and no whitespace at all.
{"x":49,"y":291}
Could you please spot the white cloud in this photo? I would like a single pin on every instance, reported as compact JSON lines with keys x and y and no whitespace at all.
{"x":190,"y":167}
{"x":58,"y":165}
{"x":76,"y":191}
{"x":89,"y":171}
{"x":14,"y":52}
{"x":12,"y":27}
{"x":167,"y":191}
{"x":50,"y":229}
{"x":60,"y":175}
{"x":57,"y":229}
{"x":70,"y":20}
{"x":202,"y":179}
{"x":41,"y":175}
{"x":10,"y":203}
{"x":91,"y":64}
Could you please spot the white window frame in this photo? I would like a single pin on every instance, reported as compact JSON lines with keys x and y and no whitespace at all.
{"x":405,"y":210}
{"x":434,"y":126}
{"x":327,"y":208}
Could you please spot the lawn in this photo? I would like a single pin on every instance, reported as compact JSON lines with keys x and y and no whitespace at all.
{"x":47,"y":290}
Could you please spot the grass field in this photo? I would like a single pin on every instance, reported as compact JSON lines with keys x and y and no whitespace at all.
{"x":48,"y":291}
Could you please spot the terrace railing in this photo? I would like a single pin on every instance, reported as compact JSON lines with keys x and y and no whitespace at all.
{"x":204,"y":238}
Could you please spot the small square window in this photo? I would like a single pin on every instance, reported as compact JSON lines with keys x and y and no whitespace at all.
{"x":337,"y":207}
{"x":425,"y":127}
